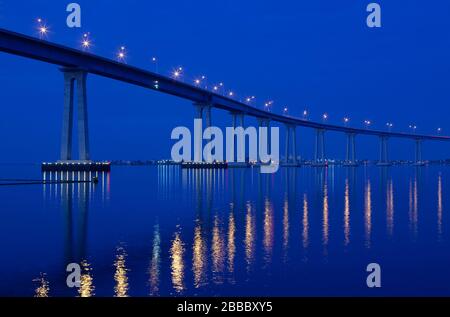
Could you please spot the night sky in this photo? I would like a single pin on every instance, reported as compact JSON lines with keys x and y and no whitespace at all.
{"x":317,"y":55}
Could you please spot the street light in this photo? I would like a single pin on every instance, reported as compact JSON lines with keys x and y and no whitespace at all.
{"x":86,"y":42}
{"x":439,"y":130}
{"x":389,"y":126}
{"x":155,"y":62}
{"x":367,"y":123}
{"x":177,"y":73}
{"x":121,"y":55}
{"x":305,"y":114}
{"x":346,"y":120}
{"x":42,"y":28}
{"x":324,"y":117}
{"x":285,"y":110}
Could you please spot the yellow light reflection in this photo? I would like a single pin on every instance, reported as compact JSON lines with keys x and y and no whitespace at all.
{"x":177,"y":266}
{"x":86,"y":281}
{"x":231,"y":244}
{"x":218,"y":252}
{"x":43,"y":289}
{"x":249,"y":237}
{"x":325,"y":224}
{"x":285,"y":227}
{"x":199,"y":258}
{"x":305,"y":222}
{"x":268,"y":231}
{"x":155,"y":262}
{"x":120,"y":275}
{"x":368,"y":213}
{"x":390,"y":207}
{"x":439,"y":213}
{"x":346,"y":213}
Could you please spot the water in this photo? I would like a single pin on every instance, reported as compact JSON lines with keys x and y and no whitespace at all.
{"x":165,"y":231}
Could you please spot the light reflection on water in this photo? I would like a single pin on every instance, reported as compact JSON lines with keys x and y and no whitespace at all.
{"x":240,"y":232}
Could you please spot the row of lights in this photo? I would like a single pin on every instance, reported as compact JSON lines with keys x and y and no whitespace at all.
{"x":177,"y":74}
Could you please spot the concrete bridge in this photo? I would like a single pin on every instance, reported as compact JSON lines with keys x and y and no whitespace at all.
{"x":76,"y":64}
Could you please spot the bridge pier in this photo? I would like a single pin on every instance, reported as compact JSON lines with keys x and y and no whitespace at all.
{"x":350,"y":157}
{"x":72,"y":77}
{"x":319,"y":153}
{"x":418,"y":153}
{"x":290,"y":138}
{"x":264,"y":123}
{"x":384,"y":151}
{"x":238,"y":122}
{"x":200,"y":111}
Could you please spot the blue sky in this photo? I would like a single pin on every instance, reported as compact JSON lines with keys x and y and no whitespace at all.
{"x":318,"y":55}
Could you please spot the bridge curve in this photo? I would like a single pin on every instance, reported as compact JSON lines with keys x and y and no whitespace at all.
{"x":41,"y":50}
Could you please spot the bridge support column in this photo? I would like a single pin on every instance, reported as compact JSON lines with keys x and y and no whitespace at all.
{"x":418,"y":152}
{"x":238,"y":122}
{"x":198,"y":135}
{"x":290,"y":153}
{"x":294,"y":145}
{"x":72,"y":77}
{"x":384,"y":151}
{"x":286,"y":144}
{"x":319,"y":154}
{"x":350,"y":157}
{"x":264,"y":123}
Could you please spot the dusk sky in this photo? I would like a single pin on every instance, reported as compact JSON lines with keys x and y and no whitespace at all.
{"x":316,"y":55}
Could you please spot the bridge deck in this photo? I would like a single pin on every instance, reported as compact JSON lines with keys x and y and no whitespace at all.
{"x":26,"y":46}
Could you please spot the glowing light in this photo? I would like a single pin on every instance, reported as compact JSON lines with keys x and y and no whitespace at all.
{"x":439,"y":130}
{"x":42,"y":28}
{"x":285,"y":110}
{"x":86,"y":42}
{"x":153,"y":59}
{"x":121,"y":54}
{"x":346,"y":120}
{"x":231,"y":94}
{"x":325,"y":116}
{"x":367,"y":122}
{"x":215,"y":88}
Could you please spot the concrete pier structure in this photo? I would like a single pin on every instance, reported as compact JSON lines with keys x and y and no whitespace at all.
{"x":350,"y":154}
{"x":290,"y":152}
{"x":319,"y":151}
{"x":384,"y":151}
{"x":75,"y":78}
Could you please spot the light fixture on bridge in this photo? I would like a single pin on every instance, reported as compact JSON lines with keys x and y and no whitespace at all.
{"x":42,"y":28}
{"x":325,"y":117}
{"x":285,"y":110}
{"x":305,"y":114}
{"x":439,"y":130}
{"x":155,"y":62}
{"x":268,"y":105}
{"x":177,"y":73}
{"x":389,"y":126}
{"x":122,"y":54}
{"x":230,"y":94}
{"x":367,"y":123}
{"x":346,"y":120}
{"x":86,"y":41}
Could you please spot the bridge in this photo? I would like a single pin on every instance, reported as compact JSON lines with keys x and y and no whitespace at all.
{"x":76,"y":64}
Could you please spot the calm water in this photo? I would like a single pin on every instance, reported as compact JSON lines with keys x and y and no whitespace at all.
{"x":165,"y":231}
